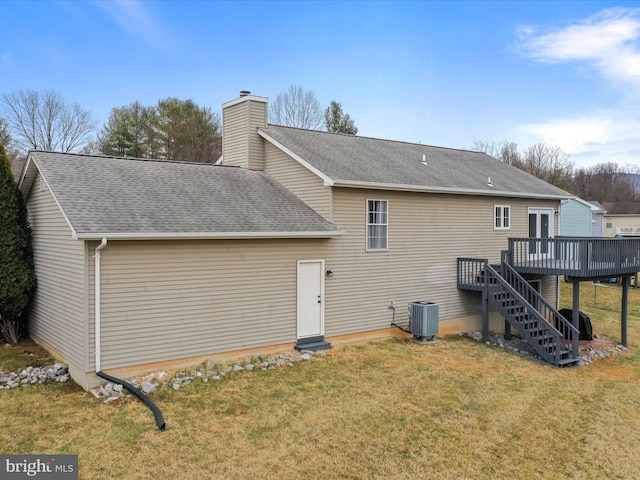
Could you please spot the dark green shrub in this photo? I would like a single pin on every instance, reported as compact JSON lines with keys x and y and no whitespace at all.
{"x":17,"y":276}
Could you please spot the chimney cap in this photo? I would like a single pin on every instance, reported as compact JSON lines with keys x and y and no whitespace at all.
{"x":245,"y":93}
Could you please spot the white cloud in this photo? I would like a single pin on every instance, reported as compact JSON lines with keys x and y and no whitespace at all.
{"x":608,"y":41}
{"x":571,"y":134}
{"x":133,"y":17}
{"x":609,"y":137}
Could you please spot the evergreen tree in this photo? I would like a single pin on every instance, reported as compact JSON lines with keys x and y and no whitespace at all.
{"x":17,"y":276}
{"x":173,"y":130}
{"x":337,"y":122}
{"x":128,"y":132}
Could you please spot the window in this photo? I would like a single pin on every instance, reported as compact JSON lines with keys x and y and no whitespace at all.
{"x":502,"y":217}
{"x":377,"y":223}
{"x":609,"y":224}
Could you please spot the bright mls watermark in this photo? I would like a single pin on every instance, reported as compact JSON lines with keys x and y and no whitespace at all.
{"x":51,"y":467}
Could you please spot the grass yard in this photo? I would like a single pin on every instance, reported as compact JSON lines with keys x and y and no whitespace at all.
{"x":388,"y":409}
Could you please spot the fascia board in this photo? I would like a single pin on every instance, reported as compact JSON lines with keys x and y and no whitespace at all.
{"x":328,"y":181}
{"x":31,"y":160}
{"x":452,"y":190}
{"x":23,"y":176}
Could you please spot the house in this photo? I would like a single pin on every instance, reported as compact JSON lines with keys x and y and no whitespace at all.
{"x":622,"y":218}
{"x":299,"y":238}
{"x":577,"y":218}
{"x":597,"y":212}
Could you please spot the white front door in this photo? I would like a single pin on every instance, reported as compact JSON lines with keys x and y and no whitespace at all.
{"x":310,"y":298}
{"x":540,"y":226}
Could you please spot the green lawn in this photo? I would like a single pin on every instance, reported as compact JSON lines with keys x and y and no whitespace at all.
{"x":389,"y":409}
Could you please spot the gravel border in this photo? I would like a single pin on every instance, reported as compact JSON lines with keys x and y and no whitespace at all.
{"x":516,"y":344}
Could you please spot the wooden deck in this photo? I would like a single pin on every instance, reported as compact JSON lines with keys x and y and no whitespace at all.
{"x":576,"y":258}
{"x":580,"y":258}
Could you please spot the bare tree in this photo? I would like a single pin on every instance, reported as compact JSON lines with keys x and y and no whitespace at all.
{"x":491,"y":148}
{"x":505,"y":151}
{"x":604,"y":182}
{"x":548,"y":162}
{"x":45,"y":121}
{"x":296,"y":108}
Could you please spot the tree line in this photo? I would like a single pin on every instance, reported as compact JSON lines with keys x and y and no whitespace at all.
{"x":172,"y":129}
{"x":604,"y":182}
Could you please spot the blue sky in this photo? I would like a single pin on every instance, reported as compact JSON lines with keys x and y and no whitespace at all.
{"x":438,"y":73}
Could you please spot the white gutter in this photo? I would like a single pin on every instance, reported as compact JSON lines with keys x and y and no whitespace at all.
{"x":96,"y":274}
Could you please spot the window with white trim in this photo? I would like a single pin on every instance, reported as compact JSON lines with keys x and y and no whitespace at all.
{"x":502,"y":217}
{"x":377,"y":224}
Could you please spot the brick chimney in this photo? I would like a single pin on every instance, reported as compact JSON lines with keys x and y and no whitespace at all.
{"x":241,"y":118}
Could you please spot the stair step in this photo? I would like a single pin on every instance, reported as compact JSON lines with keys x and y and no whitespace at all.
{"x":567,"y":362}
{"x":313,"y":346}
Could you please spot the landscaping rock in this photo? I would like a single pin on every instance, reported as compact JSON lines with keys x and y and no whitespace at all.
{"x":147,"y":387}
{"x":518,"y":345}
{"x":35,"y":375}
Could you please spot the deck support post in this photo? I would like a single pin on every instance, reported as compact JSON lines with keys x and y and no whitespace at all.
{"x":624,"y":310}
{"x":575,"y":319}
{"x":485,"y":310}
{"x":507,"y":330}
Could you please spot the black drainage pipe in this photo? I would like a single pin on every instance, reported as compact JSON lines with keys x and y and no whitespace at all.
{"x":140,"y":395}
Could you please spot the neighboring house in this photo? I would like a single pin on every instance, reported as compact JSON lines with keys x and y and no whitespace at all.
{"x":576,"y":218}
{"x":300,"y":237}
{"x":598,"y":212}
{"x":622,"y":218}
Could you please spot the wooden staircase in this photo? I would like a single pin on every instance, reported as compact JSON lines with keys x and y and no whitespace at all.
{"x":524,"y":310}
{"x":541,"y":336}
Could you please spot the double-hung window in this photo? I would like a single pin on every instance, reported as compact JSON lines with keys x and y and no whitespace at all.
{"x":377,"y":224}
{"x":502,"y":217}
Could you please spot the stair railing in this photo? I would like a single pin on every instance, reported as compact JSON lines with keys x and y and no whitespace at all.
{"x":538,"y":302}
{"x":498,"y":286}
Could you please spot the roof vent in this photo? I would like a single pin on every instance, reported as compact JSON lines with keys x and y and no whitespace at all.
{"x":489,"y":182}
{"x":424,"y":159}
{"x":245,"y":93}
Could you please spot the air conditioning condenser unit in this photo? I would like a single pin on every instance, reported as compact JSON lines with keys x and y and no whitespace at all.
{"x":423,"y":321}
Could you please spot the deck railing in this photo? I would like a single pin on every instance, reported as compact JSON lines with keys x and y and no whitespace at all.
{"x":500,"y":289}
{"x":581,"y":257}
{"x":471,"y":272}
{"x":538,"y":302}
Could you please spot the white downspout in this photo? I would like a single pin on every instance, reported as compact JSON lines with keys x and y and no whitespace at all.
{"x":97,"y":300}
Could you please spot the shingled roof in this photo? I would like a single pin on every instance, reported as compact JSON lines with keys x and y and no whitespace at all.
{"x":622,"y":208}
{"x":134,"y":198}
{"x":347,"y":160}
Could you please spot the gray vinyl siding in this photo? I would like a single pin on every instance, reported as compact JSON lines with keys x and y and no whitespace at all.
{"x":58,"y":314}
{"x":165,"y":300}
{"x":242,"y":146}
{"x":427,"y":232}
{"x":575,"y":219}
{"x":303,"y":183}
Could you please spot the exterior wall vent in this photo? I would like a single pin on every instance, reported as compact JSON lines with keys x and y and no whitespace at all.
{"x":423,"y":321}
